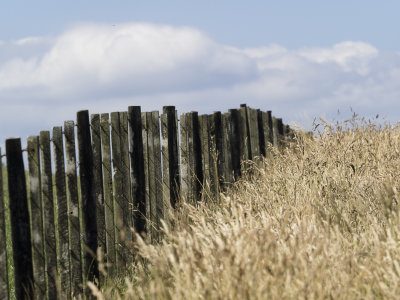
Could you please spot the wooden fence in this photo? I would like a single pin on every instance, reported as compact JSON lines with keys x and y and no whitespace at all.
{"x":133,"y":167}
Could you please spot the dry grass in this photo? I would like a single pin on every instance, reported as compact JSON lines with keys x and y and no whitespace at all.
{"x":319,"y":220}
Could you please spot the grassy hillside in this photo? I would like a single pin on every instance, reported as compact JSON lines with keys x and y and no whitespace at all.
{"x":320,"y":220}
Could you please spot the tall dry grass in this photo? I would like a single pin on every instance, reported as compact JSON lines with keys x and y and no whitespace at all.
{"x":318,"y":220}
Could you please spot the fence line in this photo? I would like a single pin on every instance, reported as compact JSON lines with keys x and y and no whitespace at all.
{"x":133,"y":168}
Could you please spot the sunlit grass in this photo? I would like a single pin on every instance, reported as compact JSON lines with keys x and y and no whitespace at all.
{"x":318,"y":220}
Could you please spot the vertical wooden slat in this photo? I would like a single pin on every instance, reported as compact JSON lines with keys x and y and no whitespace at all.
{"x":88,"y":196}
{"x":197,"y":175}
{"x":160,"y":209}
{"x":137,"y":168}
{"x":128,"y":203}
{"x":3,"y":252}
{"x":268,"y":128}
{"x":170,"y":156}
{"x":98,"y":183}
{"x":119,"y":189}
{"x":227,"y":172}
{"x":216,"y":152}
{"x":185,"y":170}
{"x":237,"y":142}
{"x":192,"y":145}
{"x":205,"y":155}
{"x":145,"y":128}
{"x":108,"y":192}
{"x":275,"y":132}
{"x":74,"y":210}
{"x":48,"y":215}
{"x":253,"y":132}
{"x":62,"y":207}
{"x":20,"y":227}
{"x":245,"y":147}
{"x":261,"y":134}
{"x":150,"y":131}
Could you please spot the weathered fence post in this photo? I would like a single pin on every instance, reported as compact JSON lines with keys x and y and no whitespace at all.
{"x":3,"y":252}
{"x":261,"y":133}
{"x":108,"y":192}
{"x":48,"y":215}
{"x":161,"y":208}
{"x":237,"y":142}
{"x":138,"y":188}
{"x":170,"y":156}
{"x":192,"y":175}
{"x":244,"y":136}
{"x":20,"y":227}
{"x":98,"y":183}
{"x":62,"y":208}
{"x":254,"y":138}
{"x":152,"y":166}
{"x":74,"y":213}
{"x":122,"y":206}
{"x":204,"y":132}
{"x":88,"y":196}
{"x":36,"y":215}
{"x":227,"y":173}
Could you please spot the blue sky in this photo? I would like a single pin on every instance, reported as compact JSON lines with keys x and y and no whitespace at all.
{"x":302,"y":59}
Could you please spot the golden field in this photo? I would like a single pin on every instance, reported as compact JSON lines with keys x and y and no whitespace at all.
{"x":317,"y":220}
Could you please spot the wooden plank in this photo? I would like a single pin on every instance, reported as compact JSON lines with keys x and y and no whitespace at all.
{"x":62,"y":208}
{"x":161,"y":208}
{"x":74,"y":210}
{"x":119,"y":189}
{"x":88,"y":196}
{"x":268,"y":131}
{"x":275,"y":132}
{"x":98,"y":184}
{"x":127,"y":203}
{"x":261,"y":134}
{"x":253,"y":133}
{"x":244,"y":136}
{"x":4,"y":294}
{"x":227,"y":173}
{"x":146,"y":142}
{"x":237,"y":142}
{"x":48,"y":215}
{"x":197,"y":175}
{"x":20,"y":227}
{"x":108,"y":192}
{"x":170,"y":156}
{"x":186,"y":186}
{"x":217,"y":152}
{"x":151,"y":167}
{"x":192,"y":175}
{"x":205,"y":156}
{"x":138,"y":188}
{"x":165,"y":162}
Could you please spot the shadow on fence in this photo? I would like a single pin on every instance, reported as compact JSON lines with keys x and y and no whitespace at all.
{"x":133,"y":167}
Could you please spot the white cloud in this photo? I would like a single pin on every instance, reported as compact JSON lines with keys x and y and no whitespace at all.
{"x":104,"y":68}
{"x":130,"y":59}
{"x":29,"y":40}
